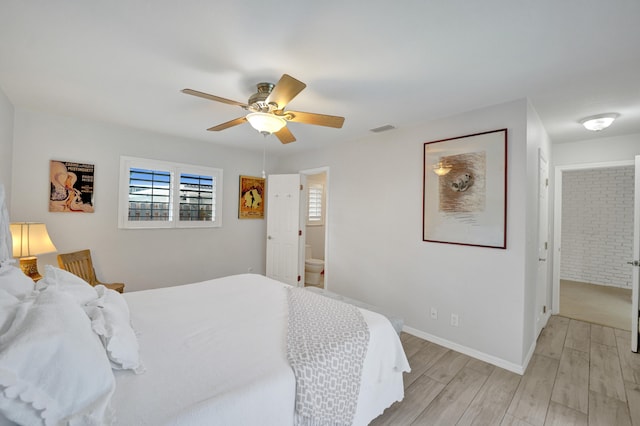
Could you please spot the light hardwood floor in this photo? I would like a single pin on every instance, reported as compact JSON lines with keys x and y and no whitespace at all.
{"x":580,"y":374}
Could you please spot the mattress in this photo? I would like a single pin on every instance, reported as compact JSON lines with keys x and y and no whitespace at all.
{"x":215,"y":354}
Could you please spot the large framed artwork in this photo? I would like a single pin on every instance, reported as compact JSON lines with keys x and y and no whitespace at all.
{"x":71,"y":187}
{"x":465,"y":190}
{"x":251,"y":203}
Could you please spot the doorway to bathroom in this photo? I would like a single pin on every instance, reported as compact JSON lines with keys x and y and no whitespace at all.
{"x":316,"y":201}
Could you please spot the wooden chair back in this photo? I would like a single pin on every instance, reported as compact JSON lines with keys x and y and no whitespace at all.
{"x":80,"y":264}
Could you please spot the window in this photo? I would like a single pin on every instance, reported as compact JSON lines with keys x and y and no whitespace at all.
{"x":315,"y":214}
{"x":160,"y":194}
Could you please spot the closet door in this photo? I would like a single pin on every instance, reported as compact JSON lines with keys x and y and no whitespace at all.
{"x":542,"y":313}
{"x":635,"y":262}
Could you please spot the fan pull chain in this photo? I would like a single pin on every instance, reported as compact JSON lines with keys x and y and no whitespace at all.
{"x":264,"y":154}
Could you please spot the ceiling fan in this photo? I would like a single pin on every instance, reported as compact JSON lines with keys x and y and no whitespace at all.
{"x":266,"y":109}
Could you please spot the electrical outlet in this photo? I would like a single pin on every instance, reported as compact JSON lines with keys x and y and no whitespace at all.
{"x":434,"y":313}
{"x":454,"y":320}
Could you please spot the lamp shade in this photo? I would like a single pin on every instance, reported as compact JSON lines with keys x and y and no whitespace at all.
{"x":265,"y":122}
{"x":30,"y":239}
{"x":441,"y":169}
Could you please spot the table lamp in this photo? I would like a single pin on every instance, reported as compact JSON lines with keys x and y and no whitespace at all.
{"x":29,"y":240}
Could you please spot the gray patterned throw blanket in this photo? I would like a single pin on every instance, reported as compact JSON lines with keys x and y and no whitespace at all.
{"x":326,"y":345}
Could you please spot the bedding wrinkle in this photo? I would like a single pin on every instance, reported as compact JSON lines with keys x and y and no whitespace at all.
{"x":196,"y":335}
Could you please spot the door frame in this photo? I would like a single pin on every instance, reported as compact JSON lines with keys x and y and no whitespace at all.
{"x":557,"y":217}
{"x":305,"y":173}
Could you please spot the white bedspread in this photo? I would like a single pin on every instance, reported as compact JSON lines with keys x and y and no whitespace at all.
{"x":215,"y":354}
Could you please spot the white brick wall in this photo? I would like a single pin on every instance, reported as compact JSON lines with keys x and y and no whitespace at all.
{"x":597,"y":226}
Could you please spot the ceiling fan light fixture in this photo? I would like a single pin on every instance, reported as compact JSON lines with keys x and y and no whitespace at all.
{"x":265,"y":122}
{"x":598,"y":122}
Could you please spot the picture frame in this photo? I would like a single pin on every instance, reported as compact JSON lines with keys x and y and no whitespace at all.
{"x":251,"y":198}
{"x":465,"y":190}
{"x":71,"y":187}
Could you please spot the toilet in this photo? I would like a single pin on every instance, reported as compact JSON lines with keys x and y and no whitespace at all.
{"x":312,"y":267}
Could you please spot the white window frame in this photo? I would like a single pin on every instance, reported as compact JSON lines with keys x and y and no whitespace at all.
{"x":175,"y":170}
{"x":315,"y":221}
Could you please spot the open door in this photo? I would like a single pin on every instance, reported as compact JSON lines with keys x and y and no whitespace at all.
{"x":284,"y":246}
{"x":635,"y":263}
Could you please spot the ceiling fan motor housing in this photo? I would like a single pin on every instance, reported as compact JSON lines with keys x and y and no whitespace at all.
{"x":257,"y":100}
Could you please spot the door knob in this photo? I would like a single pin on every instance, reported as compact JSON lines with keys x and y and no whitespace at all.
{"x":542,"y":259}
{"x":634,"y":263}
{"x":269,"y":237}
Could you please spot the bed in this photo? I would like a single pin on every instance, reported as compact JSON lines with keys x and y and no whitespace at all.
{"x":216,"y":362}
{"x":228,"y":351}
{"x":209,"y":353}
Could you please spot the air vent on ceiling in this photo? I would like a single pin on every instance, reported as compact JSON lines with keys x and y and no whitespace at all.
{"x":383,"y":128}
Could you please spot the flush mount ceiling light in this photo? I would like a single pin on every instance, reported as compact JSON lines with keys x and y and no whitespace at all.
{"x":599,"y":122}
{"x":266,"y":123}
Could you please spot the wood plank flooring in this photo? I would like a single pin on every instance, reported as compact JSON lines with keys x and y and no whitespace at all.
{"x":580,"y":374}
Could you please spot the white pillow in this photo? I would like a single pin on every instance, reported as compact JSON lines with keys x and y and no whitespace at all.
{"x":110,"y":319}
{"x":15,"y":282}
{"x":71,"y":284}
{"x":53,"y":368}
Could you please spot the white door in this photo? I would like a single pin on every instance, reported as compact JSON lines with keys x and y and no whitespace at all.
{"x":283,"y":228}
{"x":543,"y":243}
{"x":635,"y":262}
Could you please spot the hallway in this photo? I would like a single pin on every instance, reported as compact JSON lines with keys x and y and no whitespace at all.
{"x":597,"y":304}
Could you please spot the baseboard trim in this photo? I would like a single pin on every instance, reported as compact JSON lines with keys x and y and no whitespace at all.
{"x":527,"y":359}
{"x":498,"y":362}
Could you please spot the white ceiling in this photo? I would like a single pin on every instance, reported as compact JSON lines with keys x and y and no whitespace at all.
{"x":374,"y":62}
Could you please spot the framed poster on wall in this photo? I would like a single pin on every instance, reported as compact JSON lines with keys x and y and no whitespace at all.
{"x":465,"y":190}
{"x":71,"y":187}
{"x":251,"y":199}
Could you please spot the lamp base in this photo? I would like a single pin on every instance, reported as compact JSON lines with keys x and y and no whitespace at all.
{"x":29,"y":266}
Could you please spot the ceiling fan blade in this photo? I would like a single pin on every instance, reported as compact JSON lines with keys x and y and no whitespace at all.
{"x":228,"y":124}
{"x":286,"y":89}
{"x":285,"y":135}
{"x":213,"y":97}
{"x":317,"y":119}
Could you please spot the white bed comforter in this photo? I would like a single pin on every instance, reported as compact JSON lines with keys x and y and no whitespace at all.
{"x":215,"y":354}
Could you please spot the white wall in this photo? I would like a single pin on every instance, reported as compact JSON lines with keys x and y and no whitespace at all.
{"x":6,"y":143}
{"x":600,"y":150}
{"x":376,"y":252}
{"x":141,"y":258}
{"x":597,"y":225}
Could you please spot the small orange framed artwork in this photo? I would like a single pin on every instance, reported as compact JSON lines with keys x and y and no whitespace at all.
{"x":251,"y":203}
